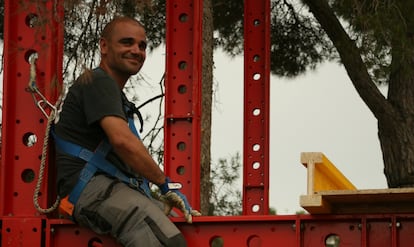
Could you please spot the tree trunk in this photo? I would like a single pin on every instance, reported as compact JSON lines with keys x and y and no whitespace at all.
{"x":207,"y":91}
{"x":396,"y":132}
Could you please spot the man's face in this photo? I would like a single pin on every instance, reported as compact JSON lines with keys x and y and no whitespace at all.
{"x":124,"y":52}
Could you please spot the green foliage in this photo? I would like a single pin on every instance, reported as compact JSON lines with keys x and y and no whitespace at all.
{"x":297,"y":42}
{"x":228,"y":25}
{"x":225,"y":197}
{"x":301,"y":212}
{"x":153,"y":18}
{"x":373,"y":25}
{"x":84,"y":21}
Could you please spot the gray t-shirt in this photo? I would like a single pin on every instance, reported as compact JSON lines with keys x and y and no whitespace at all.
{"x":93,"y":96}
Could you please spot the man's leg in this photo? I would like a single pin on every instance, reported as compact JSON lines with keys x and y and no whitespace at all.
{"x":109,"y":206}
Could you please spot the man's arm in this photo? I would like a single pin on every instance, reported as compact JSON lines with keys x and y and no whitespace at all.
{"x":130,"y":149}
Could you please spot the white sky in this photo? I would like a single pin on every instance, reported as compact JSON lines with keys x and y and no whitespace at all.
{"x":317,"y":112}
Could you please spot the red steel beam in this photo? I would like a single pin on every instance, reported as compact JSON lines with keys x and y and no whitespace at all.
{"x":256,"y":107}
{"x":370,"y":230}
{"x":30,"y":27}
{"x":183,"y":95}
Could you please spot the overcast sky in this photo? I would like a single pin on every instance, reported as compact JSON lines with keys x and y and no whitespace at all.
{"x":317,"y":112}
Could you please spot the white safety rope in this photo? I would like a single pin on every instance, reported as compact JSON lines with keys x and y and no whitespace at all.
{"x":42,"y":103}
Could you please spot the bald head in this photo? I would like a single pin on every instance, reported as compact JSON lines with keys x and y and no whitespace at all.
{"x":108,"y":30}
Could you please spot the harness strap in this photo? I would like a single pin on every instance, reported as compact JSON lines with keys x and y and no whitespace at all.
{"x":96,"y":161}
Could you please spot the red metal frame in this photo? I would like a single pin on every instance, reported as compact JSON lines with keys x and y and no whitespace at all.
{"x":21,"y":119}
{"x":256,"y":107}
{"x":182,"y":96}
{"x":22,"y":225}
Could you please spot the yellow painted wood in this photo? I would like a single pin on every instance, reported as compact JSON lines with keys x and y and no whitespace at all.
{"x":322,"y":174}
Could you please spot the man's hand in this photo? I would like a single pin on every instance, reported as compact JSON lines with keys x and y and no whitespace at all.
{"x":173,"y":198}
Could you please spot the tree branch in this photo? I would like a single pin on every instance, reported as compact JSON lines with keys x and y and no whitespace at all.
{"x":351,"y":58}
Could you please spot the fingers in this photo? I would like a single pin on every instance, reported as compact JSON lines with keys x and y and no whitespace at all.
{"x":195,"y":212}
{"x":167,"y":208}
{"x":173,"y":199}
{"x":188,"y":215}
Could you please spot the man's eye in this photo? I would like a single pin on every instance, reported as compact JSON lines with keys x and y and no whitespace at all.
{"x":142,"y":46}
{"x":126,"y":41}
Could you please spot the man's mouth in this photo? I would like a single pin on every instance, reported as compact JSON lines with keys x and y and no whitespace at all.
{"x":138,"y":59}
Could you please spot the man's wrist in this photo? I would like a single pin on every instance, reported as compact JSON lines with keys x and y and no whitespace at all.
{"x":164,"y":186}
{"x":168,"y":185}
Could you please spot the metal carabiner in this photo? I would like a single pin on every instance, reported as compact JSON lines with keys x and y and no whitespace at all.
{"x":41,"y":103}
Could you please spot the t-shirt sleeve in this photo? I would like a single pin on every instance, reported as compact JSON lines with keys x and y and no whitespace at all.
{"x":102,"y":97}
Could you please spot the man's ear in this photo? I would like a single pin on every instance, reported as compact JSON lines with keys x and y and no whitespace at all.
{"x":103,"y":46}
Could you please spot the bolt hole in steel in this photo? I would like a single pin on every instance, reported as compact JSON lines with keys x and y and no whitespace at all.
{"x":182,"y":89}
{"x":216,"y":241}
{"x":30,"y":55}
{"x":256,"y":165}
{"x":28,"y":175}
{"x":180,"y":170}
{"x":181,"y":146}
{"x":183,"y":17}
{"x":332,"y":240}
{"x":256,"y":147}
{"x":182,"y":65}
{"x":29,"y":139}
{"x":255,"y":208}
{"x":254,"y":241}
{"x":95,"y":242}
{"x":32,"y":20}
{"x":257,"y":76}
{"x":256,"y":112}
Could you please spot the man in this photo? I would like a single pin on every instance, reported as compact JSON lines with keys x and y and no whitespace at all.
{"x":93,"y":121}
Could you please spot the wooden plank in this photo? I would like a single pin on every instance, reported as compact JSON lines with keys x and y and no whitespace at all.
{"x":396,"y":200}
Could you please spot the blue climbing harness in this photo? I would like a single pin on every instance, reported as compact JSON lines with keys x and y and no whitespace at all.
{"x":96,"y":161}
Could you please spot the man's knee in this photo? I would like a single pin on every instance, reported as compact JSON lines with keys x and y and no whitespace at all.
{"x":176,"y":241}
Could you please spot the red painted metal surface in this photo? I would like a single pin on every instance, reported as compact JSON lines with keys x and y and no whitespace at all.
{"x":20,"y":223}
{"x":183,"y":95}
{"x":381,"y":230}
{"x":256,"y":107}
{"x":29,"y":28}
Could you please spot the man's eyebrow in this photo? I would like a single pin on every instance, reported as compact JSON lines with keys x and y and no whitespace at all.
{"x":129,"y":39}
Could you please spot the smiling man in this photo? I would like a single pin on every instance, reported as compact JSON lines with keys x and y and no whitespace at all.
{"x":103,"y":166}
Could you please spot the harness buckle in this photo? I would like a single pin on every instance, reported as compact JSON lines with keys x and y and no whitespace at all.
{"x":66,"y":207}
{"x":135,"y":183}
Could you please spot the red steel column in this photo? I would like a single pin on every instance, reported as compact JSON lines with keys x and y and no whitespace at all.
{"x":256,"y":107}
{"x":183,"y":95}
{"x":30,"y":27}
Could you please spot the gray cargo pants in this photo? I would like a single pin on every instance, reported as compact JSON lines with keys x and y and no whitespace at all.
{"x":108,"y":206}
